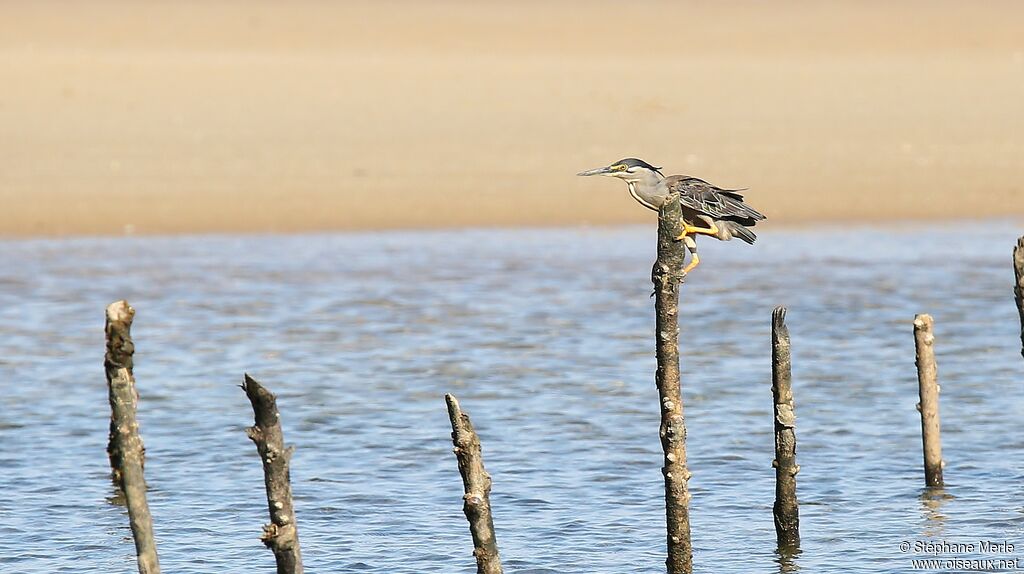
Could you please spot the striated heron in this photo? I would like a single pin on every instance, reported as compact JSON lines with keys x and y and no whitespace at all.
{"x":707,"y":210}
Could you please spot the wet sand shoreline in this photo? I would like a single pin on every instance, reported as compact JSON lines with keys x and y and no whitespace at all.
{"x":236,"y":117}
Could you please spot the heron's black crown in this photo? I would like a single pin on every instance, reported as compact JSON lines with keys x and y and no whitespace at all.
{"x":634,"y":162}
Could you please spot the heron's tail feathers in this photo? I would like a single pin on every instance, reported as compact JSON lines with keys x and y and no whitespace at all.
{"x":734,"y":229}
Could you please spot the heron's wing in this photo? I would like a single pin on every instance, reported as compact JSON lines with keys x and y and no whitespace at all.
{"x":712,"y":201}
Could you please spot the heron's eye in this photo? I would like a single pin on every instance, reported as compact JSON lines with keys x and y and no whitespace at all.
{"x":618,"y":167}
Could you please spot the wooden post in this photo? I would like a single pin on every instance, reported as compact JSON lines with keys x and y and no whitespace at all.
{"x":477,"y":485}
{"x":1018,"y":286}
{"x":125,"y":447}
{"x":786,"y":509}
{"x":928,"y":387}
{"x":667,"y":278}
{"x":281,"y":535}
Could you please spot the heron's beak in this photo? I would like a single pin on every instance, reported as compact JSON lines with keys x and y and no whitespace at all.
{"x":596,"y":171}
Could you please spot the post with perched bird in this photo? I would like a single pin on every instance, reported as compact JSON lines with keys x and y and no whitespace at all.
{"x":476,"y":483}
{"x":281,"y":535}
{"x":786,"y":510}
{"x":125,"y":448}
{"x":1018,"y":286}
{"x":687,"y":207}
{"x":668,"y":279}
{"x":928,"y":388}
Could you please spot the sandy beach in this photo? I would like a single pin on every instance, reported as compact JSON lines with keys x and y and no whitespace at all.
{"x":231,"y":116}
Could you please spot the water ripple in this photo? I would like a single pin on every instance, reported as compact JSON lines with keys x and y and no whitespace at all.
{"x":545,"y":336}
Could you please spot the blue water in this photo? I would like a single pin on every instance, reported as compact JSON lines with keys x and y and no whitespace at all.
{"x":546,"y":337}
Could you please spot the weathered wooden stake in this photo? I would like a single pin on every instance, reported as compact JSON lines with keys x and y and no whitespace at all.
{"x":786,"y":510}
{"x":281,"y":535}
{"x":125,"y":448}
{"x":1018,"y":286}
{"x":928,"y":387}
{"x":667,"y":278}
{"x":477,"y":486}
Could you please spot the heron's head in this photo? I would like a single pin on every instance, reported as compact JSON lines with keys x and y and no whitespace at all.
{"x":629,"y":169}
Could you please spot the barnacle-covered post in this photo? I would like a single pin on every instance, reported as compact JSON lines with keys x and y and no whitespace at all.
{"x":125,"y":447}
{"x":281,"y":535}
{"x":786,"y":510}
{"x":477,"y":486}
{"x":667,"y":278}
{"x":1018,"y":285}
{"x":928,"y":389}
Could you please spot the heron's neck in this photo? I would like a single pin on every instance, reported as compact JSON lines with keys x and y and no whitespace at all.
{"x":650,"y":179}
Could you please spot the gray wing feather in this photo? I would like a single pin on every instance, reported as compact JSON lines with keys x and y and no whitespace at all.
{"x":715,"y":202}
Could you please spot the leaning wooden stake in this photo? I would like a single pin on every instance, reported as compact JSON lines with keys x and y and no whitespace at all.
{"x":281,"y":535}
{"x":477,"y":485}
{"x":786,"y":510}
{"x":928,"y":387}
{"x":125,"y":446}
{"x":667,"y":279}
{"x":1018,"y":286}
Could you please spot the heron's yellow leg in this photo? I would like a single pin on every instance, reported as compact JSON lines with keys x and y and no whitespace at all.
{"x":691,"y":230}
{"x":691,"y":246}
{"x":694,"y":261}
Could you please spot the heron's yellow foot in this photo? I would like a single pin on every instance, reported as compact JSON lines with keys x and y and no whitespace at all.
{"x":713,"y":230}
{"x":691,"y":230}
{"x":694,"y":261}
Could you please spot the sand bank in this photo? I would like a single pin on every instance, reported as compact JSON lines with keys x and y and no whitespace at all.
{"x":264,"y":116}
